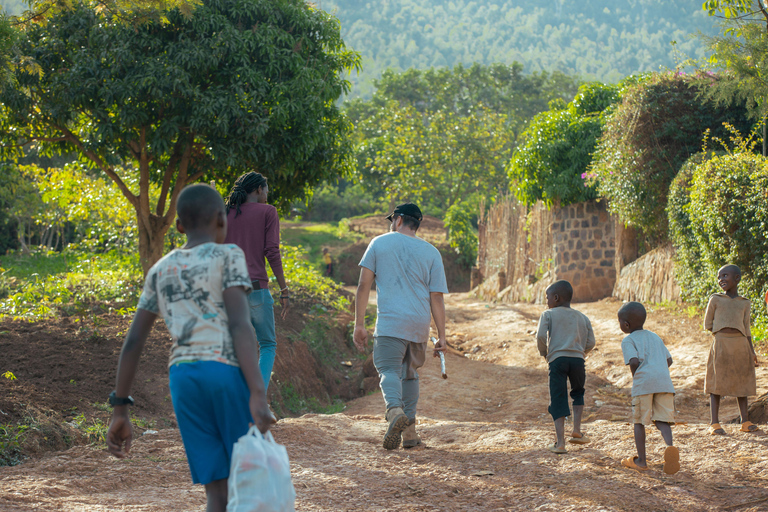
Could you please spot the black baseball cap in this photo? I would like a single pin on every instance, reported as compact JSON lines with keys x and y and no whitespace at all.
{"x":409,"y":209}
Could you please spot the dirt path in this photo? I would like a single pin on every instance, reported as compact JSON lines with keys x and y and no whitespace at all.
{"x":485,"y":429}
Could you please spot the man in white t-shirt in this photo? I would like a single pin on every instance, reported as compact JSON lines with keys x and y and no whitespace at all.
{"x":653,"y":394}
{"x":410,"y":283}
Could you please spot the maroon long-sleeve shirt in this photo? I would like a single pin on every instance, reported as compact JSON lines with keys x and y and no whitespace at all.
{"x":256,"y":230}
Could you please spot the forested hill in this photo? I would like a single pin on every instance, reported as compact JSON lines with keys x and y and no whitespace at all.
{"x":598,"y":39}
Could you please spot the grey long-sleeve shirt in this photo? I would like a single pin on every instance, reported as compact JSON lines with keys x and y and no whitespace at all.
{"x":564,"y":332}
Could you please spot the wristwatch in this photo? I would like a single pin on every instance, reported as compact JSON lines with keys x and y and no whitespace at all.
{"x":115,"y":400}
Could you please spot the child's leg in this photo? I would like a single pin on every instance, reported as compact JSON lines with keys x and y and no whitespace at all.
{"x":216,"y":492}
{"x":578,"y":410}
{"x":558,"y":396}
{"x":666,"y":431}
{"x":560,"y":431}
{"x":640,"y":444}
{"x":714,"y":411}
{"x":577,"y":376}
{"x":743,"y":409}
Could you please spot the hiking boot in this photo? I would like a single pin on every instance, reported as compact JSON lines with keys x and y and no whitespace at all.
{"x":410,"y":437}
{"x":398,"y":422}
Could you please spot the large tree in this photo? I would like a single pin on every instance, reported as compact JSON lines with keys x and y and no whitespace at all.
{"x":240,"y":85}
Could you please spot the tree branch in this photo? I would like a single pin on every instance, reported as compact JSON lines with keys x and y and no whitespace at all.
{"x":93,"y":157}
{"x":174,"y":160}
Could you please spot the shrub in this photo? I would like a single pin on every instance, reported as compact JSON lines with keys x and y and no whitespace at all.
{"x":461,"y":233}
{"x":656,"y":127}
{"x":555,"y":150}
{"x":727,"y":215}
{"x":694,"y":280}
{"x":331,"y":203}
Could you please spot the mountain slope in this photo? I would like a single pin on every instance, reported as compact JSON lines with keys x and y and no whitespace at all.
{"x":596,"y":39}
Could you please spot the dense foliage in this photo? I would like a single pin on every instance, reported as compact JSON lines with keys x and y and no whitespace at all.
{"x":598,"y":39}
{"x":443,"y":136}
{"x":659,"y":123}
{"x":555,"y":150}
{"x":461,"y":233}
{"x":727,"y":215}
{"x":237,"y":86}
{"x":694,"y":280}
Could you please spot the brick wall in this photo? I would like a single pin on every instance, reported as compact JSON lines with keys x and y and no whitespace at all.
{"x":522,"y":250}
{"x":585,"y":249}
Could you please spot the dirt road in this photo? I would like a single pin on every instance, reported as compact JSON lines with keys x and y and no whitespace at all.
{"x":485,"y":430}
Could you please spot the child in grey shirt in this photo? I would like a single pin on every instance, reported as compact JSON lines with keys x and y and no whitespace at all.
{"x":653,"y":394}
{"x":564,"y":337}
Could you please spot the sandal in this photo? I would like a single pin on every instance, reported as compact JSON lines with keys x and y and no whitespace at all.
{"x":630,"y":463}
{"x":748,"y":426}
{"x":671,"y":460}
{"x":554,"y":449}
{"x":578,"y":439}
{"x":714,"y":428}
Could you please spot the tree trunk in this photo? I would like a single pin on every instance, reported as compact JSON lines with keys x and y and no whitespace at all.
{"x":151,"y":241}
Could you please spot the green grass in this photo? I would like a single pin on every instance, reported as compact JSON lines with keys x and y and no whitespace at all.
{"x":296,"y":404}
{"x":313,"y":237}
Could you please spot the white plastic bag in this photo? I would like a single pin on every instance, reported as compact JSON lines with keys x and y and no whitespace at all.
{"x":260,"y":475}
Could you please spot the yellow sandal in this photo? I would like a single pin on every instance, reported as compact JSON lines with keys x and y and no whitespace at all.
{"x":713,"y":430}
{"x":748,"y":426}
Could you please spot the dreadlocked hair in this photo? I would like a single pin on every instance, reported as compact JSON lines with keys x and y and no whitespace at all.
{"x":244,"y":185}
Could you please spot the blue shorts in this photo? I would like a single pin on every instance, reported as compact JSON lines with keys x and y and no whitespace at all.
{"x":210,"y":400}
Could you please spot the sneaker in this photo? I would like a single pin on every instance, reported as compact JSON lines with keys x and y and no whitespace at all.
{"x":398,"y":422}
{"x":410,"y":437}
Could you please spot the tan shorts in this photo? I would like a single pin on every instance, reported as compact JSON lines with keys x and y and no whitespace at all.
{"x":653,"y":407}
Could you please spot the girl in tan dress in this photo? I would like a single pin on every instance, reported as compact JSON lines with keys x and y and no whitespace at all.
{"x":732,"y":358}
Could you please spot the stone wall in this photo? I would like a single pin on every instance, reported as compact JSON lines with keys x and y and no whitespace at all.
{"x":585,"y":248}
{"x":650,"y":278}
{"x":522,"y":250}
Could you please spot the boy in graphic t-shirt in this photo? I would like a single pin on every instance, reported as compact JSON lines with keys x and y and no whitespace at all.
{"x":653,"y":394}
{"x":201,"y":291}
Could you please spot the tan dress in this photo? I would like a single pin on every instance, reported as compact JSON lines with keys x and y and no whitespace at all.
{"x":730,"y":367}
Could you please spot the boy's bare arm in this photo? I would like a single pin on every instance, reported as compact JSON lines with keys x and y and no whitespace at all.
{"x":669,"y":362}
{"x":120,"y":431}
{"x":244,"y":342}
{"x":634,"y":364}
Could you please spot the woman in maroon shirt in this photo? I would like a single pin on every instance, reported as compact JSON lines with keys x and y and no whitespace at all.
{"x":254,"y":226}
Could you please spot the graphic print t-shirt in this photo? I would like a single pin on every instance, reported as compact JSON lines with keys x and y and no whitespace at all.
{"x":186,"y":288}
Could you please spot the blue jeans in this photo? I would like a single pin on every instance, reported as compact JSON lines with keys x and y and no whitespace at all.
{"x":263,"y":321}
{"x":397,"y":360}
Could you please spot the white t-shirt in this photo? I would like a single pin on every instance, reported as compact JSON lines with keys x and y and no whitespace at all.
{"x":407,"y":270}
{"x":187,"y":288}
{"x":652,"y":376}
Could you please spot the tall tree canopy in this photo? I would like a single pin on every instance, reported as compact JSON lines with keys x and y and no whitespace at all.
{"x":240,"y":85}
{"x":441,"y":136}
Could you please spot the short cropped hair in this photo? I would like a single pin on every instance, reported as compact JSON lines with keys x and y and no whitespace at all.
{"x":411,"y":222}
{"x":198,"y":204}
{"x":732,"y":268}
{"x":562,"y":288}
{"x":634,"y":312}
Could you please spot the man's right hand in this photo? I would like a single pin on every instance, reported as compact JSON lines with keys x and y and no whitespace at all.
{"x":262,"y":416}
{"x":360,"y":337}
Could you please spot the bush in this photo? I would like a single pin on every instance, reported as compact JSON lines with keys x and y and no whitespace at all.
{"x":657,"y":126}
{"x":694,"y":280}
{"x":555,"y":150}
{"x":727,"y":219}
{"x":331,"y":203}
{"x":461,"y":233}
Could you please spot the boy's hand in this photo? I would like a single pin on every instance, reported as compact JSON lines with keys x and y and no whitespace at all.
{"x":262,"y":416}
{"x":120,"y":431}
{"x":757,"y":361}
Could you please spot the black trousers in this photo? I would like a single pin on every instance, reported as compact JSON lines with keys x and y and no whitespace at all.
{"x":562,"y":370}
